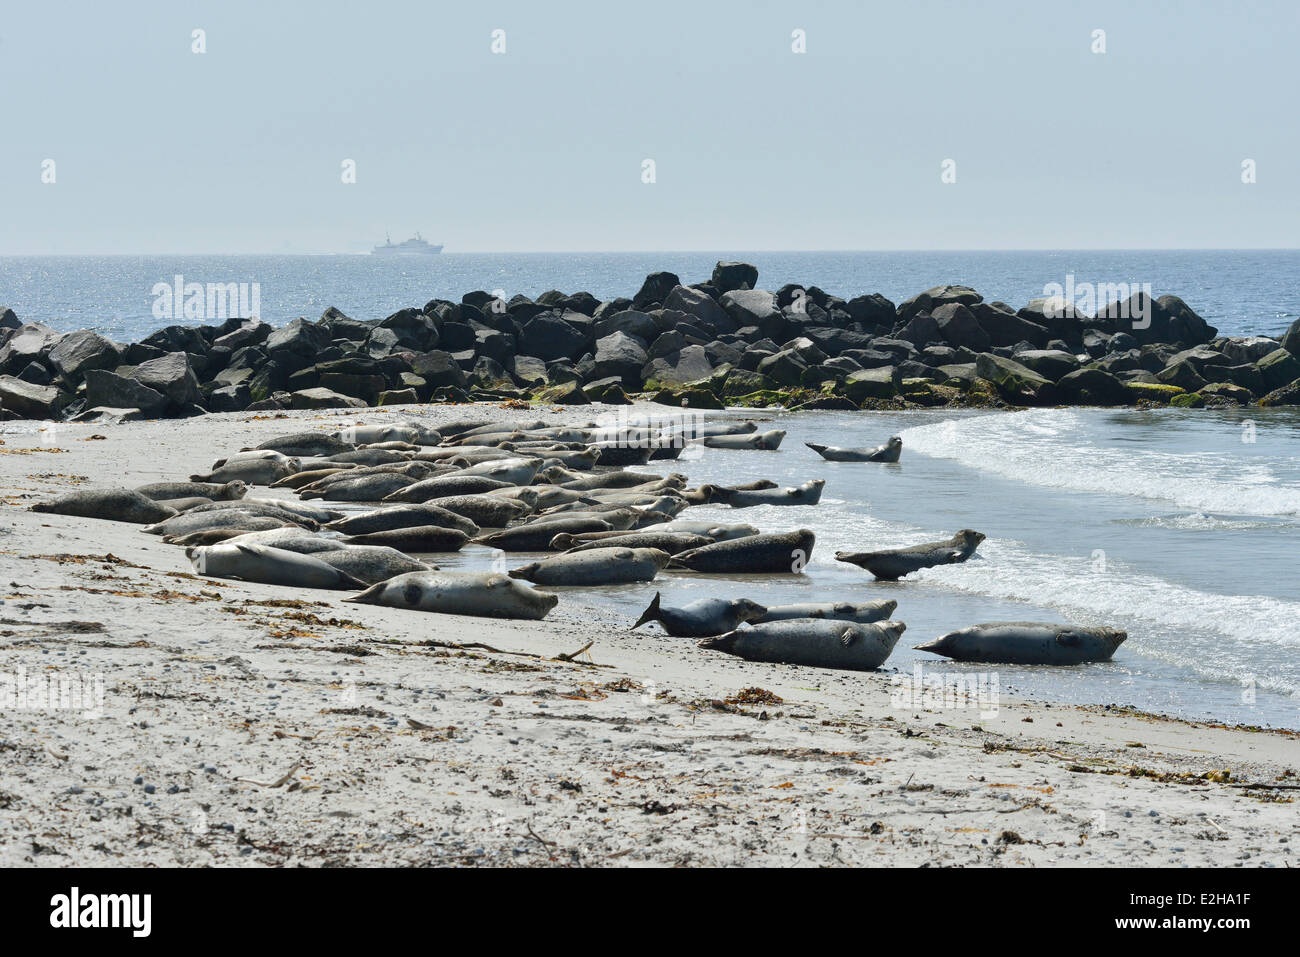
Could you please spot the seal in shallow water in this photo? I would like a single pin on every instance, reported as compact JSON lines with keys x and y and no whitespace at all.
{"x":809,"y":493}
{"x":889,"y":452}
{"x":485,"y":595}
{"x":757,"y":441}
{"x":113,"y":504}
{"x":891,"y":564}
{"x":1027,"y":643}
{"x":818,"y":643}
{"x":780,"y":553}
{"x":697,"y":619}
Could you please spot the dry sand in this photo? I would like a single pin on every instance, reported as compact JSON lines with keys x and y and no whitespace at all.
{"x":249,"y":725}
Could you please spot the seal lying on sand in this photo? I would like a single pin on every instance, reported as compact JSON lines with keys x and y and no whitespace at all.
{"x":717,"y":531}
{"x":269,"y":566}
{"x":818,"y":643}
{"x":670,"y":542}
{"x":113,"y":504}
{"x":1027,"y":643}
{"x":485,"y":595}
{"x":371,"y":563}
{"x":254,"y":471}
{"x":782,"y":553}
{"x":159,"y":491}
{"x":809,"y":493}
{"x":759,"y":441}
{"x":698,"y":619}
{"x":889,"y":452}
{"x":536,"y":536}
{"x":891,"y":564}
{"x":599,"y":566}
{"x":414,"y":538}
{"x":402,"y":516}
{"x":862,"y":612}
{"x":306,"y":443}
{"x":441,"y":486}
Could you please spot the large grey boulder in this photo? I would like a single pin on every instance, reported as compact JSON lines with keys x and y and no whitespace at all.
{"x":755,"y":308}
{"x":960,"y":328}
{"x":619,"y":354}
{"x":548,"y":337}
{"x":29,"y":400}
{"x":730,"y":276}
{"x":631,"y":321}
{"x":689,"y":364}
{"x":108,"y":389}
{"x":170,"y":375}
{"x":655,"y":289}
{"x":77,"y":352}
{"x":932,"y":299}
{"x":27,"y":343}
{"x":702,"y":307}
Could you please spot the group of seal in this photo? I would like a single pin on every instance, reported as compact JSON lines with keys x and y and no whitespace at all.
{"x":573,"y":491}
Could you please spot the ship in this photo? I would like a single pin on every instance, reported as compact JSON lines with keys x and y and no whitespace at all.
{"x":415,"y":246}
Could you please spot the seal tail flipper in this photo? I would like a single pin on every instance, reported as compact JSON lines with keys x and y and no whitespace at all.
{"x":819,"y":449}
{"x":650,"y":614}
{"x":718,"y":642}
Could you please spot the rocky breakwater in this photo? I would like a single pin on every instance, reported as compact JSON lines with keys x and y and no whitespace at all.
{"x":723,"y":342}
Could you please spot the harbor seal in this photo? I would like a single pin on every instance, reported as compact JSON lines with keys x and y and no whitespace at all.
{"x":225,"y":491}
{"x":891,"y":564}
{"x":487,"y":511}
{"x":305,"y":443}
{"x":809,"y":493}
{"x":1027,"y":643}
{"x":254,"y":471}
{"x":699,"y":619}
{"x":192,"y":521}
{"x":889,"y":452}
{"x":444,"y":486}
{"x":779,"y":553}
{"x":818,"y":643}
{"x":862,"y":612}
{"x":536,"y":536}
{"x":371,"y":487}
{"x":371,"y":563}
{"x":460,"y":593}
{"x":670,"y":542}
{"x":414,"y":538}
{"x":599,"y":566}
{"x":113,"y":504}
{"x":717,"y":531}
{"x":268,"y":566}
{"x":757,"y":441}
{"x":401,"y":516}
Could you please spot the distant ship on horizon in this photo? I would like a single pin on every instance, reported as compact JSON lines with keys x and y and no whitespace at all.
{"x":416,"y":246}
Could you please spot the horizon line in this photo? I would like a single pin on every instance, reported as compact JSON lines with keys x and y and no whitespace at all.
{"x":674,"y":252}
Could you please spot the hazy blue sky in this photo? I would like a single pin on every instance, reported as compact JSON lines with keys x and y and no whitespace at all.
{"x":159,"y":149}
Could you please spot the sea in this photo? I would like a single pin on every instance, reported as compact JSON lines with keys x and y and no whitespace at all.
{"x":1180,"y":526}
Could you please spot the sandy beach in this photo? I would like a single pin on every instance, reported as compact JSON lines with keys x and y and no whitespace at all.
{"x":245,"y":724}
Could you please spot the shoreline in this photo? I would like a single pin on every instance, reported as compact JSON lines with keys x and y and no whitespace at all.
{"x":338,"y":734}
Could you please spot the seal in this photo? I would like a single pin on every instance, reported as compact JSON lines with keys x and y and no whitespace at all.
{"x":371,"y":487}
{"x":516,"y":471}
{"x":113,"y":504}
{"x":599,"y":566}
{"x":487,"y":511}
{"x":704,"y":494}
{"x":305,"y":443}
{"x":310,"y":476}
{"x":818,"y":643}
{"x":226,"y":491}
{"x":670,"y":542}
{"x":809,"y":493}
{"x":889,"y":452}
{"x":268,"y":566}
{"x":758,"y":441}
{"x":1027,"y":643}
{"x":891,"y":564}
{"x":370,"y":457}
{"x":239,"y":518}
{"x":717,"y":531}
{"x":536,"y":536}
{"x":443,"y":486}
{"x":780,"y":553}
{"x":862,"y":612}
{"x":184,"y":504}
{"x":401,"y":516}
{"x":482,"y":595}
{"x":698,"y":619}
{"x":254,"y":471}
{"x":416,"y":538}
{"x":371,"y":563}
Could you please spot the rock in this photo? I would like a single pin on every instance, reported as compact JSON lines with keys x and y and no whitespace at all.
{"x":397,"y":397}
{"x":873,"y":311}
{"x":36,"y":374}
{"x":731,"y":276}
{"x":1049,"y":363}
{"x":755,"y":308}
{"x":1005,"y":328}
{"x":108,"y":416}
{"x":1182,"y":374}
{"x":77,"y":352}
{"x":1291,"y":339}
{"x":701,"y":307}
{"x":655,"y":290}
{"x":548,"y":337}
{"x":881,"y":383}
{"x":564,"y":393}
{"x":230,"y":398}
{"x":1248,"y":349}
{"x":744,"y":382}
{"x":959,"y":327}
{"x":527,"y":369}
{"x":8,"y":319}
{"x":319,"y":398}
{"x":1094,"y":387}
{"x":932,"y":299}
{"x":299,"y":337}
{"x":29,"y":400}
{"x":677,"y":368}
{"x":619,"y":354}
{"x":629,"y":321}
{"x":26,"y":344}
{"x":1014,"y":381}
{"x":171,"y":376}
{"x":1158,"y":392}
{"x":785,"y":368}
{"x":1288,"y":394}
{"x":251,"y":332}
{"x":108,"y":389}
{"x":438,"y":369}
{"x":1227,"y":392}
{"x":921,"y":330}
{"x":1278,"y":368}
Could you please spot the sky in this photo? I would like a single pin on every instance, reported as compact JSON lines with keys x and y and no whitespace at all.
{"x":241,"y":148}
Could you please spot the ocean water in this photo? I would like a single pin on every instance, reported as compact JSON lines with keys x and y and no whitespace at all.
{"x":1164,"y":523}
{"x":1242,"y":292}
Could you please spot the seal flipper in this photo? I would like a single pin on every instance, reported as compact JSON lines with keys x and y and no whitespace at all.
{"x":650,"y":614}
{"x":848,"y":636}
{"x":1068,"y":639}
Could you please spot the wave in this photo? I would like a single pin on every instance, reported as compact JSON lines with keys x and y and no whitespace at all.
{"x":1061,"y":449}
